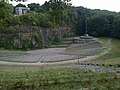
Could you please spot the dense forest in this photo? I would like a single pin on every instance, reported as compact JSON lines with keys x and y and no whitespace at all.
{"x":99,"y":23}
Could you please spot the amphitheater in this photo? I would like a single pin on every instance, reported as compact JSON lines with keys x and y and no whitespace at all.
{"x":80,"y":47}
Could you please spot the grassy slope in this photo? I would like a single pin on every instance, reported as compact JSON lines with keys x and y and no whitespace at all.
{"x":64,"y":42}
{"x":55,"y":78}
{"x":112,"y":52}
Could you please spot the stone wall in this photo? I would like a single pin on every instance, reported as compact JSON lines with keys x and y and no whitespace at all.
{"x":29,"y":37}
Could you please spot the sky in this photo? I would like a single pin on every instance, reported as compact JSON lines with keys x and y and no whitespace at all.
{"x":111,"y":5}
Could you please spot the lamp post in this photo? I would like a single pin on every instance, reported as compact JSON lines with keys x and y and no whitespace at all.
{"x":86,"y":31}
{"x":85,"y":23}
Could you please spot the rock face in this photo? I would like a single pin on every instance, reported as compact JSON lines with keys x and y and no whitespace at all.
{"x":29,"y":37}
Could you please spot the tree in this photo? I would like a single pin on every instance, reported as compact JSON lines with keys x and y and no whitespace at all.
{"x":6,"y":10}
{"x":20,"y":5}
{"x":36,"y":19}
{"x":82,"y":15}
{"x":55,"y":10}
{"x":14,"y":0}
{"x":35,"y":7}
{"x":115,"y":32}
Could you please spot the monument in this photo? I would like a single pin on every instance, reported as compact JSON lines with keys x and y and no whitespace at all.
{"x":86,"y":38}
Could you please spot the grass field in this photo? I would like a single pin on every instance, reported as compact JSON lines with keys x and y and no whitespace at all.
{"x":111,"y":55}
{"x":55,"y":78}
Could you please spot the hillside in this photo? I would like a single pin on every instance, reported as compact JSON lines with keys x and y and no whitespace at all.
{"x":110,"y":55}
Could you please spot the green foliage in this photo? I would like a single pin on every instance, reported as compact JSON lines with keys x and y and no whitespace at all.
{"x":14,"y":0}
{"x":99,"y":22}
{"x":55,"y":78}
{"x":55,"y":9}
{"x":56,"y":41}
{"x":42,"y":20}
{"x":116,"y":27}
{"x":35,"y":7}
{"x":6,"y":42}
{"x":5,"y":10}
{"x":39,"y":40}
{"x":20,"y":5}
{"x":25,"y":44}
{"x":58,"y":12}
{"x":100,"y":25}
{"x":36,"y":19}
{"x":1,"y":23}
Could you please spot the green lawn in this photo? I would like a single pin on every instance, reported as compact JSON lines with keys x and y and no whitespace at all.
{"x":55,"y":78}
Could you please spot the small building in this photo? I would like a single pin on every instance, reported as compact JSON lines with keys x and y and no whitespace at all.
{"x":21,"y":10}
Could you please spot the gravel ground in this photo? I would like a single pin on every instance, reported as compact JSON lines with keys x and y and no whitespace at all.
{"x":97,"y":68}
{"x":44,"y":55}
{"x":75,"y":51}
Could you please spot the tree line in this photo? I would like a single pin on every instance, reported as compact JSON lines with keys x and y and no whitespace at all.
{"x":100,"y":23}
{"x":56,"y":12}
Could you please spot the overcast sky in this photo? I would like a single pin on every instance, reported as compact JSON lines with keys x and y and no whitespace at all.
{"x":111,"y":5}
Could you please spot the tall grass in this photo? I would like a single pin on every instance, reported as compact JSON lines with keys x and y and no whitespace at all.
{"x":57,"y":78}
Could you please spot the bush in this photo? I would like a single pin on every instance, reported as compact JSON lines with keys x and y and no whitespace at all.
{"x":56,"y":41}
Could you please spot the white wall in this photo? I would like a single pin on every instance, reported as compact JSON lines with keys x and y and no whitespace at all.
{"x":20,"y":10}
